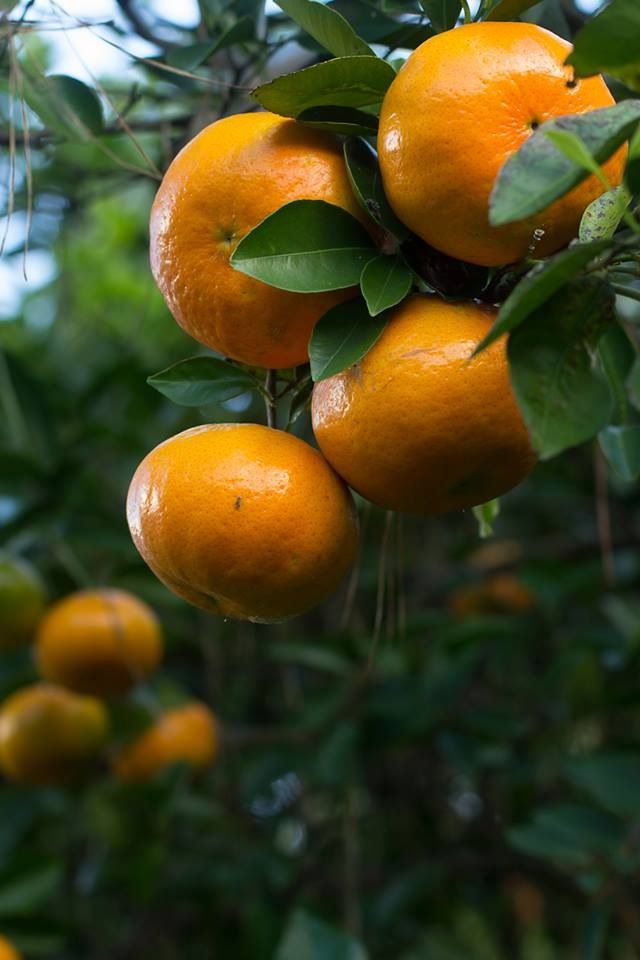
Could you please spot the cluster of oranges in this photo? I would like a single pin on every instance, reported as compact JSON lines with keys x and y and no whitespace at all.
{"x":253,"y":523}
{"x":91,"y":646}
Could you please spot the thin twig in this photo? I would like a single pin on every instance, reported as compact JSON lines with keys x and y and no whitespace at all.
{"x":269,"y":399}
{"x":380,"y":597}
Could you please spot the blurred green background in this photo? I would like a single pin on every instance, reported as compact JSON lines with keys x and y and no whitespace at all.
{"x":475,"y":795}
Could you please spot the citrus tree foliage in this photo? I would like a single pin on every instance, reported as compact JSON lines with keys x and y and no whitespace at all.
{"x":442,"y":763}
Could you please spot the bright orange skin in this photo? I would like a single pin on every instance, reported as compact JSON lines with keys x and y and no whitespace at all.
{"x":416,"y":426}
{"x":464,"y":101}
{"x":22,"y":601}
{"x":243,"y":520}
{"x":222,"y":184}
{"x":49,"y":735}
{"x":100,"y":642}
{"x":7,"y":951}
{"x":186,"y":735}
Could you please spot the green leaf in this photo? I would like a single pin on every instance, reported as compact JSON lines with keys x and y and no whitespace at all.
{"x":364,"y":175}
{"x":486,"y":515}
{"x":443,"y":14}
{"x":306,"y":246}
{"x":609,"y":42}
{"x":311,"y":655}
{"x":309,"y":938}
{"x":25,"y":886}
{"x":621,"y":447}
{"x":202,"y":380}
{"x":601,"y":218}
{"x":563,"y":397}
{"x":574,"y":149}
{"x":613,"y":779}
{"x":632,"y":171}
{"x":385,"y":281}
{"x":344,"y":121}
{"x":634,"y":384}
{"x":327,"y":26}
{"x":345,"y":82}
{"x":65,"y":105}
{"x":569,"y":834}
{"x":190,"y":57}
{"x":342,"y":337}
{"x":594,"y":932}
{"x":538,"y":173}
{"x":539,"y":285}
{"x":507,"y":9}
{"x":616,"y":357}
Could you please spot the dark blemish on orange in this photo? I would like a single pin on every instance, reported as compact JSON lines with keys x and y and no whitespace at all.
{"x":236,"y":505}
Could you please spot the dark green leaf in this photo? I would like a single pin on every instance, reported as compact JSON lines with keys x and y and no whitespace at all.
{"x":539,"y":173}
{"x":307,"y":246}
{"x":312,"y":656}
{"x":507,"y":9}
{"x":609,"y":42}
{"x":24,"y":887}
{"x":539,"y":285}
{"x":364,"y":175}
{"x":486,"y":515}
{"x":190,"y":57}
{"x":309,"y":938}
{"x":202,"y":380}
{"x":443,"y":14}
{"x":65,"y":105}
{"x":632,"y":171}
{"x":385,"y":281}
{"x":613,"y":779}
{"x":616,"y":356}
{"x":563,"y":397}
{"x":345,"y":82}
{"x":327,"y":26}
{"x":634,"y":384}
{"x":601,"y":218}
{"x":621,"y":447}
{"x":345,"y":121}
{"x":342,"y":337}
{"x":569,"y":834}
{"x":594,"y":933}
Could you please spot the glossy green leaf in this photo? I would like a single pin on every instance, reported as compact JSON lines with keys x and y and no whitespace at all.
{"x":385,"y":281}
{"x":202,"y":380}
{"x":345,"y":82}
{"x":574,"y":149}
{"x":632,"y":170}
{"x":344,"y":121}
{"x":539,"y":173}
{"x":486,"y":515}
{"x":309,"y":938}
{"x":613,"y":779}
{"x":307,"y":246}
{"x":443,"y":14}
{"x":539,"y":285}
{"x":342,"y":337}
{"x":507,"y":9}
{"x":327,"y":26}
{"x":569,"y":834}
{"x":563,"y":397}
{"x":364,"y":175}
{"x":65,"y":105}
{"x":621,"y":446}
{"x":601,"y":218}
{"x":609,"y":42}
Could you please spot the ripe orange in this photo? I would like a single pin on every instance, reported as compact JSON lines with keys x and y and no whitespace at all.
{"x":500,"y":593}
{"x":185,"y":735}
{"x":464,"y":101}
{"x":222,"y":184}
{"x":22,"y":600}
{"x":7,"y":951}
{"x":48,"y":735}
{"x":100,"y":642}
{"x":243,"y":520}
{"x":416,"y":425}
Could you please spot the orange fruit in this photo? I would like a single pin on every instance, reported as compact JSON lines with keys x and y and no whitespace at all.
{"x":7,"y":951}
{"x":188,"y":735}
{"x":100,"y":642}
{"x":22,"y":600}
{"x":463,"y":102}
{"x":416,"y":425}
{"x":231,"y":176}
{"x":501,"y":593}
{"x":48,"y":735}
{"x":243,"y":520}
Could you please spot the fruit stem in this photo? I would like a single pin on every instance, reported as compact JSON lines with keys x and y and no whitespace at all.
{"x":269,"y":399}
